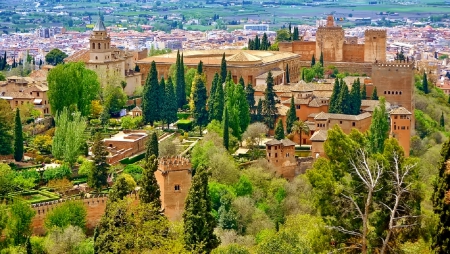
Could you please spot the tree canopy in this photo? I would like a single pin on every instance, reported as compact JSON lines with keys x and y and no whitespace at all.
{"x":55,"y":56}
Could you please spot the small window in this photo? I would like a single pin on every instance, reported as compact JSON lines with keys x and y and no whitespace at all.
{"x":38,"y":94}
{"x":297,"y":106}
{"x":384,"y":92}
{"x":353,"y":124}
{"x":340,"y":122}
{"x":177,"y":187}
{"x":276,"y":155}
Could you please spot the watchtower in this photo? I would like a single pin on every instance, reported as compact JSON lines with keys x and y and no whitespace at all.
{"x":374,"y":45}
{"x":100,"y":44}
{"x":401,"y":127}
{"x":330,"y":41}
{"x":174,"y":177}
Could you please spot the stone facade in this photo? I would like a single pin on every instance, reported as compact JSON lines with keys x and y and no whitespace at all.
{"x":401,"y":127}
{"x":281,"y":154}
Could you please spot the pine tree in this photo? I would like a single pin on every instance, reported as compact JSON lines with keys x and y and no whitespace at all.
{"x":151,"y":97}
{"x":343,"y":106}
{"x":18,"y":138}
{"x":218,"y":102}
{"x":223,"y":69}
{"x":291,"y":116}
{"x":99,"y":174}
{"x":441,"y":206}
{"x":321,"y":58}
{"x":199,"y":99}
{"x":333,"y":105}
{"x":374,"y":94}
{"x":250,"y":92}
{"x":152,"y":146}
{"x":149,"y":192}
{"x":364,"y":92}
{"x":226,"y":130}
{"x":425,"y":84}
{"x":169,"y":111}
{"x":442,"y":121}
{"x":313,"y":61}
{"x":279,"y":130}
{"x":199,"y":223}
{"x":269,"y":110}
{"x":288,"y":80}
{"x":180,"y":84}
{"x":355,"y":98}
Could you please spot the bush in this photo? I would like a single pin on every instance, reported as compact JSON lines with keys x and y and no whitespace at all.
{"x":47,"y":160}
{"x":57,"y":172}
{"x":69,"y":213}
{"x":132,"y":160}
{"x":183,"y":115}
{"x":39,"y":159}
{"x":185,"y":125}
{"x":134,"y":170}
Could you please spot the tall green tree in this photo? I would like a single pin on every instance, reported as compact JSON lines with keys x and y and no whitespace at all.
{"x":343,"y":106}
{"x":114,"y":98}
{"x":364,"y":92}
{"x":425,"y":84}
{"x":442,"y":121}
{"x":218,"y":102}
{"x":18,"y":138}
{"x":291,"y":116}
{"x":374,"y":94}
{"x":379,"y":128}
{"x":279,"y":130}
{"x":18,"y":227}
{"x":226,"y":130}
{"x":264,"y":42}
{"x":55,"y":56}
{"x":313,"y":61}
{"x":295,"y":35}
{"x":151,"y":97}
{"x":178,"y":82}
{"x":169,"y":109}
{"x":73,"y":86}
{"x":355,"y":98}
{"x":334,"y":104}
{"x":214,"y":85}
{"x":269,"y":110}
{"x":98,"y":176}
{"x":223,"y":69}
{"x":243,"y":109}
{"x":250,"y":92}
{"x":321,"y":58}
{"x":441,"y":206}
{"x":198,"y":100}
{"x":288,"y":78}
{"x":259,"y":110}
{"x":152,"y":146}
{"x":241,"y":82}
{"x":199,"y":222}
{"x":150,"y":192}
{"x":200,"y":67}
{"x":6,"y":125}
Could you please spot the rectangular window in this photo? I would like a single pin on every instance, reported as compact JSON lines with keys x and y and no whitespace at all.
{"x":297,"y":106}
{"x":177,"y":187}
{"x":353,"y":124}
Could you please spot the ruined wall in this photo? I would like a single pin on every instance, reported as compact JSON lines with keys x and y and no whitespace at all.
{"x":303,"y":163}
{"x":374,"y":45}
{"x":353,"y":53}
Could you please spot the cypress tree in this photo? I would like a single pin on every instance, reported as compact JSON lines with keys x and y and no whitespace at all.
{"x":182,"y":82}
{"x":199,"y":99}
{"x":223,"y":69}
{"x":152,"y":146}
{"x":243,"y":109}
{"x":18,"y":138}
{"x":303,"y":74}
{"x":250,"y":92}
{"x":448,"y":99}
{"x":321,"y":58}
{"x":170,"y":105}
{"x":379,"y":128}
{"x":333,"y":105}
{"x":290,"y":31}
{"x":269,"y":110}
{"x":200,"y":67}
{"x":241,"y":82}
{"x":150,"y":96}
{"x":178,"y":86}
{"x":250,"y":44}
{"x":160,"y":103}
{"x":199,"y":223}
{"x":264,"y":42}
{"x":291,"y":116}
{"x":425,"y":84}
{"x":364,"y":92}
{"x":355,"y":98}
{"x":149,"y":192}
{"x":28,"y":246}
{"x":99,"y":174}
{"x":214,"y":85}
{"x":257,"y":43}
{"x":226,"y":130}
{"x":279,"y":130}
{"x":218,"y":102}
{"x":343,"y":106}
{"x":441,"y":206}
{"x":442,"y":121}
{"x":259,"y":110}
{"x":4,"y":60}
{"x":313,"y":61}
{"x":288,"y":80}
{"x":374,"y":94}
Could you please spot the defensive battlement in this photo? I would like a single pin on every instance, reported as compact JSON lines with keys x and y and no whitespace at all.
{"x":173,"y":163}
{"x":333,"y":31}
{"x":396,"y":64}
{"x":376,"y":32}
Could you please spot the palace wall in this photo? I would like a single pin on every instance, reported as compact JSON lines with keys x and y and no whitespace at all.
{"x":353,"y":53}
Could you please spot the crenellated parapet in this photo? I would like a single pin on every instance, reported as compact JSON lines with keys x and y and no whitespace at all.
{"x":379,"y":33}
{"x":173,"y":163}
{"x":396,"y":64}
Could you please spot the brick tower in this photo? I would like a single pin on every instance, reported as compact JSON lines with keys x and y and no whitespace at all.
{"x":330,"y":41}
{"x":375,"y":45}
{"x":174,"y":179}
{"x":401,"y":127}
{"x":100,"y":44}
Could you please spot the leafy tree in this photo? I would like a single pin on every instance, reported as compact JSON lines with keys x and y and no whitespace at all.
{"x":291,"y":116}
{"x":313,"y":61}
{"x":55,"y":56}
{"x":198,"y":101}
{"x":149,"y":192}
{"x":269,"y":111}
{"x":2,"y":77}
{"x":283,"y":35}
{"x":18,"y":138}
{"x":66,"y":240}
{"x":18,"y":227}
{"x":374,"y":94}
{"x":122,"y":187}
{"x":223,"y":69}
{"x":364,"y":92}
{"x":68,"y":213}
{"x":152,"y":146}
{"x":189,"y":78}
{"x":227,"y":215}
{"x":72,"y":86}
{"x":379,"y":128}
{"x":279,"y":130}
{"x":254,"y":134}
{"x":425,"y":83}
{"x":169,"y":110}
{"x":226,"y":132}
{"x":6,"y":180}
{"x":151,"y":97}
{"x":114,"y":98}
{"x":199,"y":223}
{"x":300,"y":127}
{"x":99,"y":175}
{"x":6,"y":123}
{"x":68,"y":138}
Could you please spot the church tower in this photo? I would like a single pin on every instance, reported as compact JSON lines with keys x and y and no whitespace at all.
{"x":100,"y":44}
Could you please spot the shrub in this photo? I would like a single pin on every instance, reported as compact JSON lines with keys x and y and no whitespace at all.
{"x":39,"y":159}
{"x":95,"y":122}
{"x":185,"y":125}
{"x":47,"y":160}
{"x":183,"y":115}
{"x":69,"y":213}
{"x":57,"y":172}
{"x":134,"y":170}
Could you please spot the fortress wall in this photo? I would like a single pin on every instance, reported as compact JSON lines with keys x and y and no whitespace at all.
{"x":306,"y":49}
{"x":353,"y":53}
{"x":361,"y":68}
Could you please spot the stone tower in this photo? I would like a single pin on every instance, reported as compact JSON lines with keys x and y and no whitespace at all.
{"x":375,"y":45}
{"x":401,"y":127}
{"x":174,"y":177}
{"x":281,"y":154}
{"x":100,"y":44}
{"x":330,"y":41}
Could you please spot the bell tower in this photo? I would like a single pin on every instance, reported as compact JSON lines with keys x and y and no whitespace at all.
{"x":100,"y":44}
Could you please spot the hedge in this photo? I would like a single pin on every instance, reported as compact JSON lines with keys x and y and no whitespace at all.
{"x":185,"y":125}
{"x":132,"y":160}
{"x":183,"y":115}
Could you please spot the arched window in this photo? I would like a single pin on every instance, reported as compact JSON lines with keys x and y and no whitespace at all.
{"x":93,"y":45}
{"x":96,"y":58}
{"x":99,"y":45}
